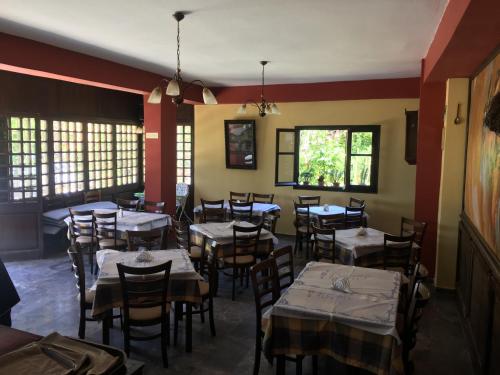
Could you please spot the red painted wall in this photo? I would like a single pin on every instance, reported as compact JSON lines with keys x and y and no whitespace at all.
{"x":306,"y":92}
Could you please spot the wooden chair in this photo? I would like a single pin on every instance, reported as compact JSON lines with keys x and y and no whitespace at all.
{"x":128,"y":204}
{"x":145,"y":302}
{"x":157,"y":237}
{"x":85,"y":295}
{"x":334,"y":221}
{"x":92,"y":196}
{"x":355,"y":202}
{"x":311,"y":200}
{"x":303,"y":230}
{"x":284,"y":263}
{"x":105,"y":228}
{"x":242,"y":197}
{"x":324,"y":244}
{"x":419,"y":299}
{"x":241,"y":211}
{"x":409,"y":226}
{"x":269,"y":222}
{"x":154,"y":207}
{"x":262,"y":198}
{"x":82,"y":231}
{"x":183,"y":241}
{"x":397,"y":252}
{"x":208,"y":288}
{"x":353,"y":217}
{"x":212,"y":211}
{"x":244,"y":251}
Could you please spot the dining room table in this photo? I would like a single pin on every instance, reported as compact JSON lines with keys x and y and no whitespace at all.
{"x":346,"y":312}
{"x":183,"y":284}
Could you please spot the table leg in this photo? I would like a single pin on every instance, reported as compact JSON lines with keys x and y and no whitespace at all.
{"x":280,"y":365}
{"x":106,"y":322}
{"x":189,"y":327}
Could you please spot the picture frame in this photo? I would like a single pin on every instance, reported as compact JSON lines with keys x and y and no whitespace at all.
{"x":240,"y":144}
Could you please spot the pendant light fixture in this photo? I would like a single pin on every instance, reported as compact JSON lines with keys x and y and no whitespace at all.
{"x":264,"y":107}
{"x":176,"y":86}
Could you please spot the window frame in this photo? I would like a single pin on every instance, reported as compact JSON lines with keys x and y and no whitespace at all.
{"x":375,"y":157}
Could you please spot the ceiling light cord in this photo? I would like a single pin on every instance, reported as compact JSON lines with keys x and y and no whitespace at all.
{"x":178,"y":48}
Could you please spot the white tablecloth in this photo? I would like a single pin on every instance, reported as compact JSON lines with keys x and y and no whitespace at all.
{"x":372,"y":305}
{"x":222,"y":233}
{"x":258,"y":208}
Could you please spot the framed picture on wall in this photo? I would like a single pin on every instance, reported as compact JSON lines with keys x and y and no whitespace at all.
{"x":240,"y":144}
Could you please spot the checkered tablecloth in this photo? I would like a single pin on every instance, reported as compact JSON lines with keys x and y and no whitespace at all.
{"x":183,"y":284}
{"x":357,"y":328}
{"x":220,"y":236}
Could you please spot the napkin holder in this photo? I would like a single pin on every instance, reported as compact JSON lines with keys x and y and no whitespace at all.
{"x":326,"y":208}
{"x":342,"y":284}
{"x":362,"y":232}
{"x":144,"y":256}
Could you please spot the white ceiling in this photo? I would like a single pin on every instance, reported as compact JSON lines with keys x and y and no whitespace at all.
{"x":223,"y":40}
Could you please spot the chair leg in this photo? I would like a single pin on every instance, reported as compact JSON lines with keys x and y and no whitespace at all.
{"x":234,"y":283}
{"x":258,"y":350}
{"x":176,"y":321}
{"x":91,"y":260}
{"x":81,"y":326}
{"x":211,"y":315}
{"x":202,"y":313}
{"x":298,"y":365}
{"x":315,"y":364}
{"x":247,"y":271}
{"x":168,"y":329}
{"x":126,"y":341}
{"x":164,"y":343}
{"x":295,"y":247}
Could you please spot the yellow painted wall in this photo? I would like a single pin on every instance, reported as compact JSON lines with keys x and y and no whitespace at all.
{"x":452,"y":182}
{"x":396,"y":178}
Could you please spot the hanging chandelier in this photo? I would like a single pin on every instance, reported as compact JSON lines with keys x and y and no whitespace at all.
{"x":264,"y":107}
{"x":176,"y":86}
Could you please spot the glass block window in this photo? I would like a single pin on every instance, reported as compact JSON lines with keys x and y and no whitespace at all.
{"x":44,"y":157}
{"x":184,"y":154}
{"x":68,"y":156}
{"x":100,"y":155}
{"x":126,"y":154}
{"x":22,"y":160}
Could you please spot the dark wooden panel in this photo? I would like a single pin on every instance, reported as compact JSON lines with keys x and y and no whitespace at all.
{"x":464,"y":271}
{"x":494,"y":355}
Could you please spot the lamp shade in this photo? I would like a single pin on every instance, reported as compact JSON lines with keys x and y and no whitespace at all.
{"x":275,"y":110}
{"x":155,"y":96}
{"x":208,"y":96}
{"x":139,"y":130}
{"x":173,"y":88}
{"x":242,"y":110}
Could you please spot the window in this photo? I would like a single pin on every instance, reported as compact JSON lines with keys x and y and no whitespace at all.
{"x":126,"y":154}
{"x":184,"y":154}
{"x":44,"y":158}
{"x":22,"y":158}
{"x":339,"y":158}
{"x":68,"y":156}
{"x":100,"y":155}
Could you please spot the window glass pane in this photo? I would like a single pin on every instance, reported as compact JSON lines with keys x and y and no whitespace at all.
{"x":361,"y":143}
{"x":126,"y":143}
{"x":322,"y":153}
{"x":360,"y":170}
{"x":286,"y":141}
{"x":285,"y":168}
{"x":184,"y":146}
{"x":44,"y":158}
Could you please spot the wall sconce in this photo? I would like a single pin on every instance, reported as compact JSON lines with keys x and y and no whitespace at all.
{"x":458,"y":119}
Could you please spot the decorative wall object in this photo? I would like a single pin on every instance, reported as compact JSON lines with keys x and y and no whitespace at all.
{"x":240,"y":144}
{"x":482,"y":185}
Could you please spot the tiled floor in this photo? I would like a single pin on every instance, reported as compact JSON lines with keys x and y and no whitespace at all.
{"x":48,"y":303}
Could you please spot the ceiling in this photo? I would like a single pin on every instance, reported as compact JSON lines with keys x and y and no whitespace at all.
{"x":222,"y":41}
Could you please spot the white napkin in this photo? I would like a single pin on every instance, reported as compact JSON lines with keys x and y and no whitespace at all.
{"x":342,"y":284}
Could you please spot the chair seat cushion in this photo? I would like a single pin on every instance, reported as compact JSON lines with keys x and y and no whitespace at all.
{"x":195,"y":252}
{"x":111,"y":242}
{"x":149,"y":313}
{"x":89,"y":296}
{"x":82,"y":240}
{"x":240,"y":259}
{"x":423,"y":272}
{"x":204,"y":288}
{"x":304,"y":229}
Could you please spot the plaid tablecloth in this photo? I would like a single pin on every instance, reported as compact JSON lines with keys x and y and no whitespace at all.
{"x":183,"y":285}
{"x":357,"y":328}
{"x":220,"y":236}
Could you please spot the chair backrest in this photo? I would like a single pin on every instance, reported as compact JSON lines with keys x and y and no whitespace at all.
{"x":154,"y":207}
{"x":354,"y":217}
{"x":245,"y":240}
{"x":312,"y":200}
{"x":397,"y":251}
{"x":284,"y":264}
{"x":302,"y":214}
{"x":105,"y":227}
{"x":208,"y":268}
{"x":128,"y":204}
{"x":181,"y":229}
{"x":82,"y":223}
{"x":212,"y":211}
{"x":262,"y":198}
{"x":355,"y":202}
{"x":269,"y":221}
{"x":324,"y":243}
{"x":242,"y":197}
{"x":75,"y":255}
{"x":335,"y":221}
{"x":144,"y":287}
{"x":92,"y":196}
{"x":419,"y":298}
{"x":157,"y":237}
{"x":241,"y":211}
{"x":412,"y":280}
{"x":409,"y":226}
{"x":265,"y":285}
